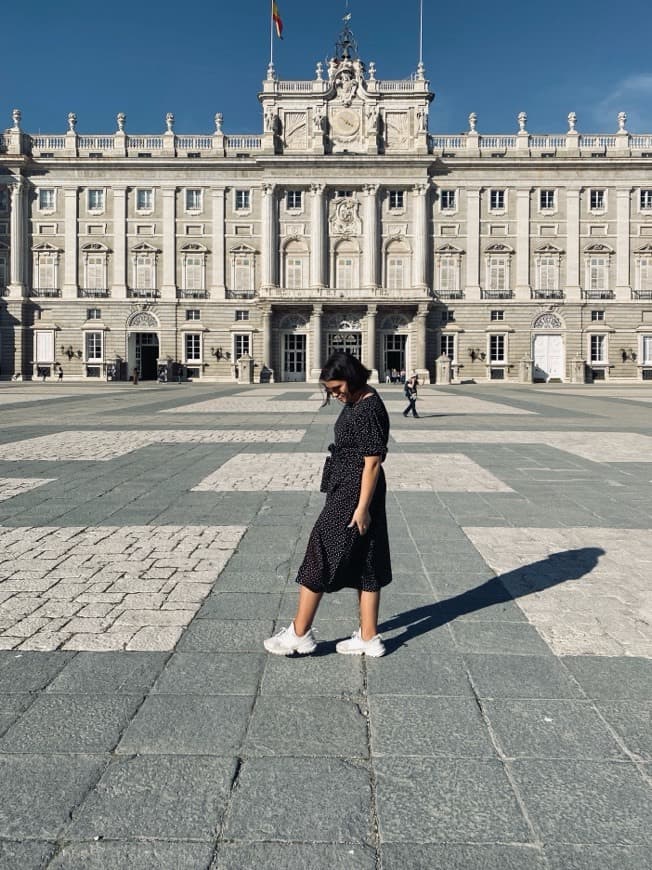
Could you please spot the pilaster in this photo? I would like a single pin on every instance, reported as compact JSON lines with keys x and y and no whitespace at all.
{"x":573,"y":243}
{"x":370,"y":279}
{"x":168,"y":286}
{"x":119,"y":285}
{"x":420,"y":236}
{"x":473,"y":241}
{"x":317,"y":246}
{"x":268,"y":220}
{"x":523,"y":243}
{"x":70,"y":279}
{"x":219,"y":287}
{"x":370,"y":355}
{"x":315,"y":340}
{"x":18,"y":236}
{"x":623,"y":201}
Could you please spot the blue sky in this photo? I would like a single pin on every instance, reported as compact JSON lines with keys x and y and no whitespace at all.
{"x":493,"y":58}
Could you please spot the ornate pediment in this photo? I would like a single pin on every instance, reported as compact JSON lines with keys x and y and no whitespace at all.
{"x":548,"y":249}
{"x":499,"y":248}
{"x":194,"y":248}
{"x":598,"y":248}
{"x":144,"y":248}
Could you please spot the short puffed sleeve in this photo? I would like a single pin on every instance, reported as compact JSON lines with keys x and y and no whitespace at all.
{"x":372,"y":427}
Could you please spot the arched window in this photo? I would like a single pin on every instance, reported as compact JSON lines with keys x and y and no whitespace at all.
{"x":46,"y":267}
{"x":193,"y":267}
{"x":347,"y":259}
{"x":95,"y":266}
{"x":448,"y":261}
{"x":643,"y":270}
{"x":397,"y":265}
{"x":143,"y":259}
{"x":295,"y":265}
{"x":242,"y":269}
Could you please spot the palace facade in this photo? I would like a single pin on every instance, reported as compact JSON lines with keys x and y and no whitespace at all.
{"x":344,"y":224}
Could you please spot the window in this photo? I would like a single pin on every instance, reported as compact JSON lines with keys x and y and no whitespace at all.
{"x":95,"y":266}
{"x":242,"y":200}
{"x":496,"y":348}
{"x":294,"y":272}
{"x":396,"y":199}
{"x":448,"y":200}
{"x":193,"y":347}
{"x":93,"y":346}
{"x":646,"y":200}
{"x":4,"y":199}
{"x":597,"y":200}
{"x":93,"y":314}
{"x":47,"y":200}
{"x":546,"y":200}
{"x":598,"y":273}
{"x":395,"y":273}
{"x":448,"y":316}
{"x":144,"y":271}
{"x":293,"y":199}
{"x":646,"y":349}
{"x":46,"y":272}
{"x":144,"y":199}
{"x":193,"y":199}
{"x":193,"y":269}
{"x":344,"y":274}
{"x":95,"y":199}
{"x":449,"y":274}
{"x":497,"y":273}
{"x":241,"y":345}
{"x":547,"y":273}
{"x":344,"y":194}
{"x":3,"y":270}
{"x":497,"y":200}
{"x":497,"y":315}
{"x":598,"y":348}
{"x":241,"y":315}
{"x":597,"y":315}
{"x":447,"y":347}
{"x":193,"y":314}
{"x":243,"y":267}
{"x":644,"y":265}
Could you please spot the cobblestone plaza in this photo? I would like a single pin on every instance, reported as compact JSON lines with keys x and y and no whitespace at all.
{"x":149,"y":538}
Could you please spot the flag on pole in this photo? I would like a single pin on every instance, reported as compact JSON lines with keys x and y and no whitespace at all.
{"x":276,"y":18}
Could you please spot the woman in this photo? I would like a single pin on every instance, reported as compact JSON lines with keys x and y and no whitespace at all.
{"x":411,"y":391}
{"x":349,"y":544}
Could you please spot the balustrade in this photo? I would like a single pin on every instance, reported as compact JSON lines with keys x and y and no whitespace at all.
{"x":193,"y":294}
{"x":547,"y":294}
{"x":142,"y":293}
{"x":93,"y":293}
{"x":45,"y":292}
{"x":598,"y":294}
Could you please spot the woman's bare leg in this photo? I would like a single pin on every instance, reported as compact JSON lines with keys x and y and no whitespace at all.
{"x":306,"y":609}
{"x":369,"y":604}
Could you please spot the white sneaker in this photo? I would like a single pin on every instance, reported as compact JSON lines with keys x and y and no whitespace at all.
{"x":356,"y":646}
{"x":287,"y":641}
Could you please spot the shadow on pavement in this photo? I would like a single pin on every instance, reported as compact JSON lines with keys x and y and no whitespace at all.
{"x":555,"y":569}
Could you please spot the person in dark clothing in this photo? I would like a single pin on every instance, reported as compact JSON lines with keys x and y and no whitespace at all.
{"x":349,"y":544}
{"x":411,"y":395}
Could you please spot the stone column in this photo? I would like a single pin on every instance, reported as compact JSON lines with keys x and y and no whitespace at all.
{"x":473,"y":241}
{"x":370,"y":241}
{"x":623,"y":284}
{"x":268,"y":219}
{"x":18,"y":236}
{"x":119,"y":285}
{"x":420,"y":339}
{"x":370,"y":355}
{"x":523,"y":243}
{"x":315,"y":340}
{"x":573,"y":282}
{"x":317,"y":237}
{"x":168,"y":285}
{"x":70,"y":261}
{"x":420,"y":236}
{"x":219,"y":284}
{"x":267,"y":340}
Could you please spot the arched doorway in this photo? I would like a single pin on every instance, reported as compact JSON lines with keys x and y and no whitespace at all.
{"x":548,"y":348}
{"x":143,"y":345}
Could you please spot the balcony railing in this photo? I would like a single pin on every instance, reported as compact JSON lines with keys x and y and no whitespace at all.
{"x":340,"y":293}
{"x":193,"y":294}
{"x":547,"y":294}
{"x":448,"y":294}
{"x":93,"y":293}
{"x":45,"y":292}
{"x":642,"y":294}
{"x":240,"y":294}
{"x":142,"y":293}
{"x":598,"y":294}
{"x":496,"y":294}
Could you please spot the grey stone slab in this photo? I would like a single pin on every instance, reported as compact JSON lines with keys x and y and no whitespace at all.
{"x":29,"y":855}
{"x":572,"y":801}
{"x":240,"y":605}
{"x":320,"y":800}
{"x":294,"y":856}
{"x":423,"y":800}
{"x":38,"y":792}
{"x":612,"y":678}
{"x":29,"y":671}
{"x":428,"y":726}
{"x":588,"y":857}
{"x":417,"y":671}
{"x":416,"y":581}
{"x":71,"y":723}
{"x":188,"y":725}
{"x":164,"y":798}
{"x":510,"y":638}
{"x":211,"y":673}
{"x":551,"y":729}
{"x":225,"y":635}
{"x":11,"y":706}
{"x":251,"y":581}
{"x":504,"y":676}
{"x":632,"y":720}
{"x":153,"y":855}
{"x":310,"y":726}
{"x":333,"y":675}
{"x":485,"y":857}
{"x":115,"y":672}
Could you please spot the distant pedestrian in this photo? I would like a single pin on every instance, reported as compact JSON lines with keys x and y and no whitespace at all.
{"x":411,"y":390}
{"x":44,"y":373}
{"x":349,"y":544}
{"x":134,"y":377}
{"x":60,"y":374}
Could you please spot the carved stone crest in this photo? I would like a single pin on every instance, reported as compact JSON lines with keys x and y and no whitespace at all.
{"x":344,"y":217}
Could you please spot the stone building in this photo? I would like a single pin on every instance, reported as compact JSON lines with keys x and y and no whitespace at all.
{"x":345,"y":224}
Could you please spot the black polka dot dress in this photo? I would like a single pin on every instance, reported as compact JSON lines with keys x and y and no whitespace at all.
{"x":338,"y":557}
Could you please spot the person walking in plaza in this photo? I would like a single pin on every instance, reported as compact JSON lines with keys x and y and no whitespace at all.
{"x":60,"y":374}
{"x":349,"y":543}
{"x":411,"y":390}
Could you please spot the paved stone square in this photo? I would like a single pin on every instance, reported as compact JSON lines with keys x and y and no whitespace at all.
{"x":142,"y":563}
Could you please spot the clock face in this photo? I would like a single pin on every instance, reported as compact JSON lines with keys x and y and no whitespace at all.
{"x":346,"y":122}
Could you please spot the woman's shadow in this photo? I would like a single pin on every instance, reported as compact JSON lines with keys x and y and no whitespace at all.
{"x":535,"y":577}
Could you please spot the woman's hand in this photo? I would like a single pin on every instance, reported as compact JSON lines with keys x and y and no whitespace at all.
{"x":361,"y":519}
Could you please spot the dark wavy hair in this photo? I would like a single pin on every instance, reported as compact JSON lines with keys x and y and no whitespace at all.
{"x":342,"y":366}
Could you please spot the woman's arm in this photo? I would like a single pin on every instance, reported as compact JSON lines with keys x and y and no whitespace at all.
{"x":361,"y":516}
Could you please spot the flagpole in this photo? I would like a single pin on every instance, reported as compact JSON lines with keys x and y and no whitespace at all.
{"x":420,"y":32}
{"x":271,"y":33}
